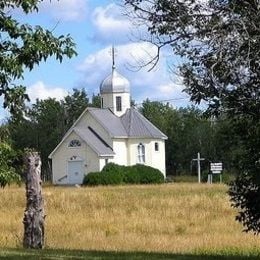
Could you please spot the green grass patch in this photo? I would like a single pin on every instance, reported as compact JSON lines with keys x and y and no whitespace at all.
{"x":81,"y":254}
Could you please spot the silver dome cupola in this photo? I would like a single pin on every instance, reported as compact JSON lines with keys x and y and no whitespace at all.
{"x":115,"y":82}
{"x":115,"y":91}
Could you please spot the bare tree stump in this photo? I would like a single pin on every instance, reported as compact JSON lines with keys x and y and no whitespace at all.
{"x":34,"y":213}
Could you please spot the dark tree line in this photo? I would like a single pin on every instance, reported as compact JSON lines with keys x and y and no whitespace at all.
{"x":44,"y":123}
{"x":189,"y":131}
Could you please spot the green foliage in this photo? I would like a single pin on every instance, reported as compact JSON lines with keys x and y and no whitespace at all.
{"x":113,"y":174}
{"x":8,"y":175}
{"x":7,"y":172}
{"x":190,"y":132}
{"x":96,"y":101}
{"x":235,"y":253}
{"x":44,"y":121}
{"x":131,"y":175}
{"x":47,"y":119}
{"x":22,"y":47}
{"x":7,"y":154}
{"x":74,"y":105}
{"x":92,"y":179}
{"x":147,"y":174}
{"x":222,"y":68}
{"x":245,"y":195}
{"x":245,"y":190}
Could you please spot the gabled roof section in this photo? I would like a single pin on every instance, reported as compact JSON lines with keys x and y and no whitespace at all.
{"x":94,"y":141}
{"x":90,"y":138}
{"x":137,"y":125}
{"x":109,"y":121}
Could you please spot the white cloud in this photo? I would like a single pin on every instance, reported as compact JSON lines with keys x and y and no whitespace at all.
{"x":66,"y":10}
{"x":157,"y":84}
{"x":41,"y":91}
{"x":110,"y":24}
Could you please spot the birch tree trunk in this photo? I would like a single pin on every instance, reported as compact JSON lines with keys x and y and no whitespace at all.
{"x":34,"y":213}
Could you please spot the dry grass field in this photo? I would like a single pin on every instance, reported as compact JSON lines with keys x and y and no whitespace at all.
{"x":175,"y":218}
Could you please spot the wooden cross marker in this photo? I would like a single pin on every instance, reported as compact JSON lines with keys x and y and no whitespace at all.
{"x":199,"y":159}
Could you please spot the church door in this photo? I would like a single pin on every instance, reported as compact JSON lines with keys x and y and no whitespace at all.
{"x":75,"y":172}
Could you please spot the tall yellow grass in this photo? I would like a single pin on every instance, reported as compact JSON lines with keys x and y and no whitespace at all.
{"x":163,"y":218}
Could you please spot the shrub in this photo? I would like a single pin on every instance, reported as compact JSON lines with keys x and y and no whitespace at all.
{"x":113,"y":174}
{"x":92,"y":179}
{"x":132,"y":176}
{"x":148,"y":174}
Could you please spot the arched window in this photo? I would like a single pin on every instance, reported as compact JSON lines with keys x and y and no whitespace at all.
{"x":74,"y":143}
{"x":141,"y":153}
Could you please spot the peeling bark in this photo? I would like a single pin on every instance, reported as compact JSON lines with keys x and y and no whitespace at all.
{"x":34,"y":213}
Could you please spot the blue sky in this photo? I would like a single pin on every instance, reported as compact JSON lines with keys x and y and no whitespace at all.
{"x":95,"y":26}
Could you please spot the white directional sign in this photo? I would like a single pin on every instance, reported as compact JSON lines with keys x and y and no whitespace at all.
{"x":216,"y":168}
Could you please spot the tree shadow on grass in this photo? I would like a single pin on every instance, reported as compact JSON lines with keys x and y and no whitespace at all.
{"x":99,"y":255}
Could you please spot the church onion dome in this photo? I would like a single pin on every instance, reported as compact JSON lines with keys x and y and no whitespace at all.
{"x":115,"y":83}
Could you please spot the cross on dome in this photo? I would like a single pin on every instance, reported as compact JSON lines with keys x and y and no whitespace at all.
{"x":113,"y":53}
{"x":115,"y":82}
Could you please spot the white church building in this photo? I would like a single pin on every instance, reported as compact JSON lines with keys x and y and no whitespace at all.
{"x":116,"y":133}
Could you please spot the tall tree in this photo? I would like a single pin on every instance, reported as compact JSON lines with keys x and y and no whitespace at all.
{"x":74,"y":105}
{"x":96,"y":101}
{"x":219,"y":42}
{"x":45,"y":123}
{"x":10,"y":158}
{"x":41,"y":129}
{"x":22,"y":47}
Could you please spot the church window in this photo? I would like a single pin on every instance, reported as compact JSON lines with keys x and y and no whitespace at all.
{"x":74,"y":143}
{"x":141,"y":153}
{"x":118,"y":103}
{"x":156,"y":147}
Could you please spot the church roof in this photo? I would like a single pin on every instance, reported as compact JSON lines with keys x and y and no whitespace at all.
{"x":94,"y":141}
{"x":137,"y":125}
{"x":115,"y":83}
{"x":132,"y":124}
{"x":109,"y":121}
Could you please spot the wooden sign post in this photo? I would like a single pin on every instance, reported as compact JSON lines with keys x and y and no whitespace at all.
{"x":216,"y":168}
